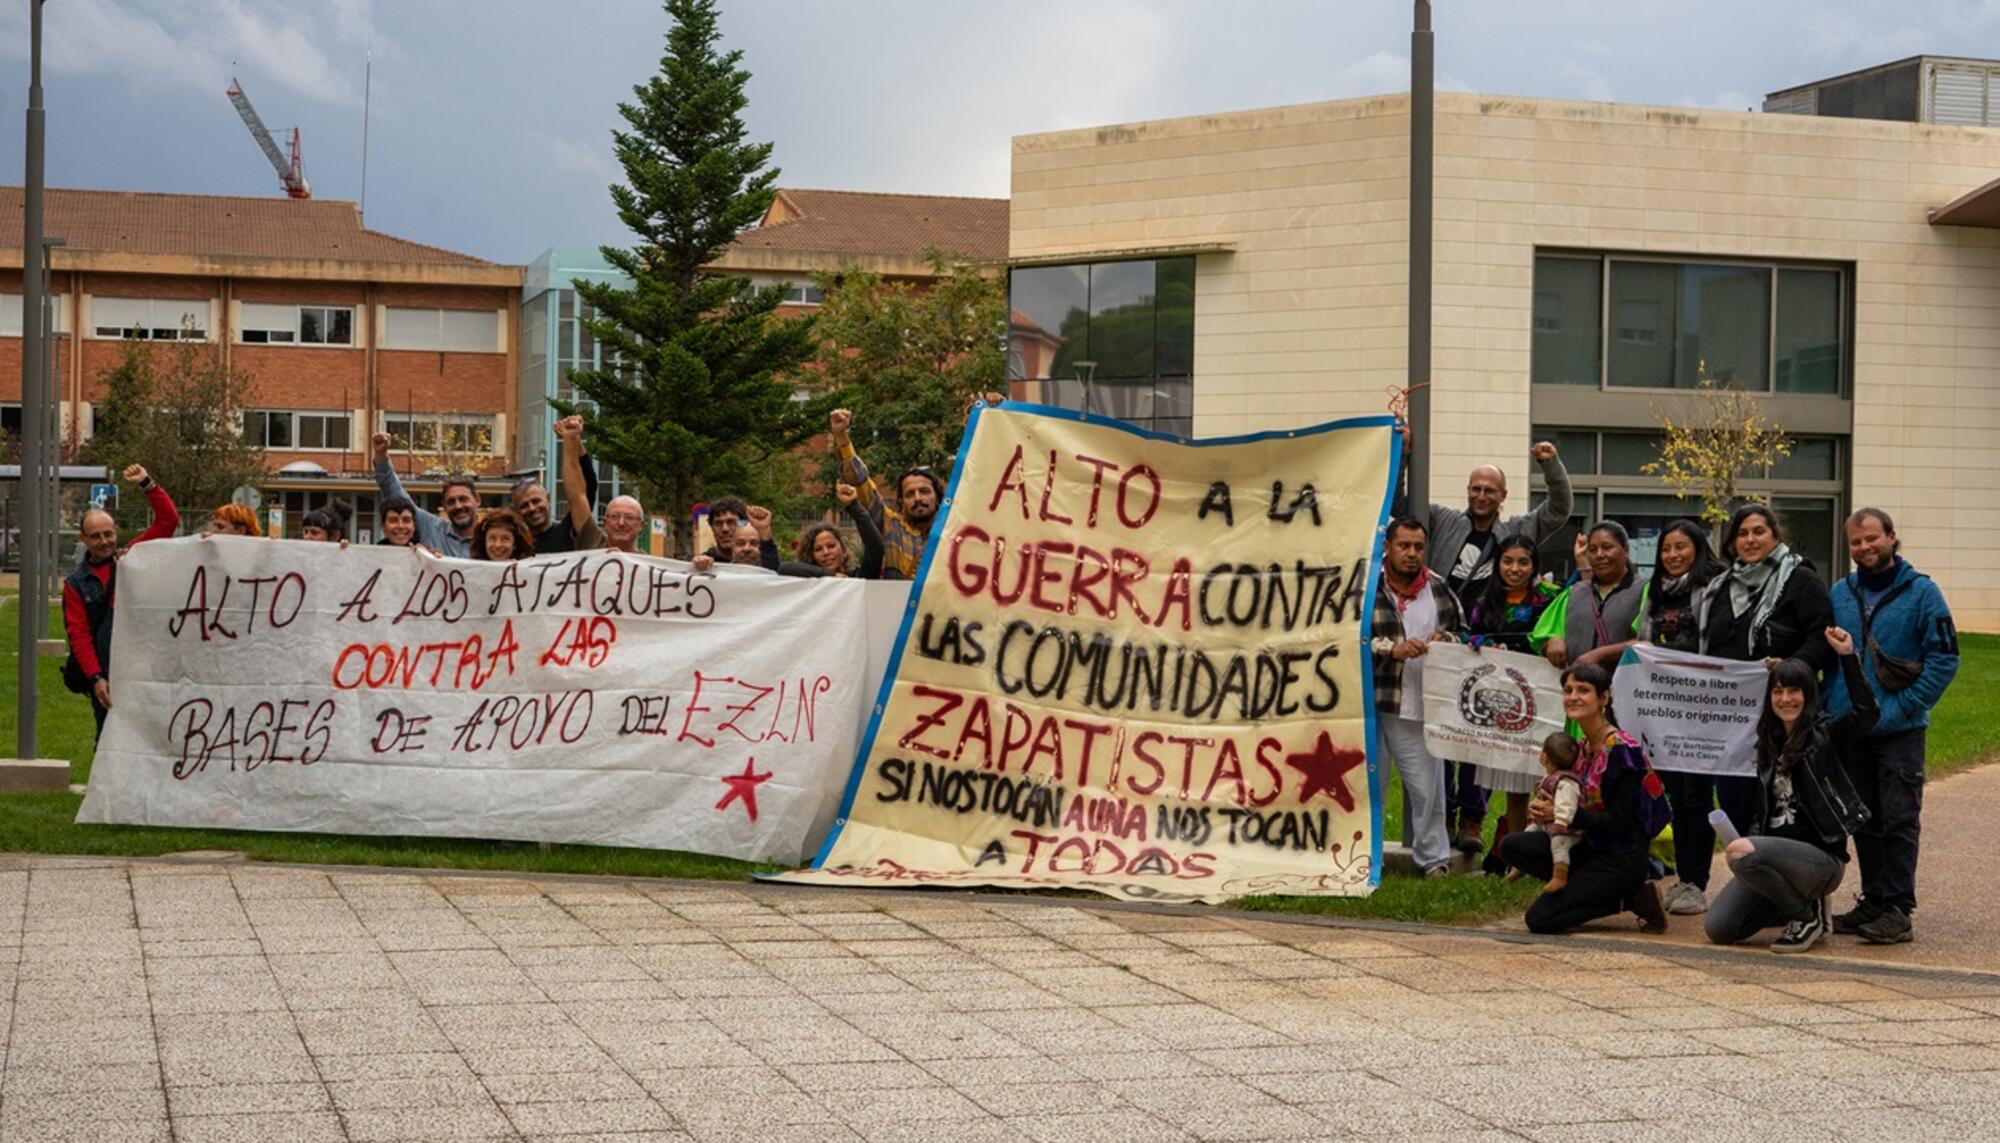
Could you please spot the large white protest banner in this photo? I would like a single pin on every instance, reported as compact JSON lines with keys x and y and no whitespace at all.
{"x":1490,"y":707}
{"x":587,"y":697}
{"x":1692,"y":713}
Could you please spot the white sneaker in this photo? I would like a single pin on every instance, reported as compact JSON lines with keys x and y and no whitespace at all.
{"x":1686,"y":900}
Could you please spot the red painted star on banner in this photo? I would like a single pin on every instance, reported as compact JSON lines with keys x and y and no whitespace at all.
{"x":1325,"y":769}
{"x":744,"y":787}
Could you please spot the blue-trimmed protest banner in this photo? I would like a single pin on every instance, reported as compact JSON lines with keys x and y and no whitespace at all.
{"x":1134,"y":664}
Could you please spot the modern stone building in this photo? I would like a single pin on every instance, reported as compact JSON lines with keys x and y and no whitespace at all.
{"x":1592,"y":261}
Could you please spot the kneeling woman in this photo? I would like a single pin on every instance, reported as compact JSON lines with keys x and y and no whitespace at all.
{"x":1608,"y":869}
{"x":1797,"y":855}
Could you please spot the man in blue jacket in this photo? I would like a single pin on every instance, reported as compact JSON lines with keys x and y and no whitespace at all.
{"x":1909,"y":653}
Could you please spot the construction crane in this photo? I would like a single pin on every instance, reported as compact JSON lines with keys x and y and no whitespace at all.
{"x":292,"y":174}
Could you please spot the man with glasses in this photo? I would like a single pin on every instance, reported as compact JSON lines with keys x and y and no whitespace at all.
{"x":1463,"y":550}
{"x":1463,"y":544}
{"x":905,"y":525}
{"x":623,"y":518}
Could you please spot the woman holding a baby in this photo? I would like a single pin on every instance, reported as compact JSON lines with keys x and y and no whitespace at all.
{"x":1607,"y":868}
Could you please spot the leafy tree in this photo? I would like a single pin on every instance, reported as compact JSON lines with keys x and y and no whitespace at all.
{"x":699,"y":400}
{"x":1718,"y":436}
{"x":177,"y":410}
{"x":909,"y":360}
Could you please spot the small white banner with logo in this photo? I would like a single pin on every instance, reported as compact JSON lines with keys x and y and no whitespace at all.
{"x":1490,"y":707}
{"x":1693,"y":713}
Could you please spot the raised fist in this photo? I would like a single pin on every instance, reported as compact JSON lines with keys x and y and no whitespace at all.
{"x":380,"y":443}
{"x":1841,"y":642}
{"x":839,"y":421}
{"x":1543,"y":452}
{"x":760,"y":519}
{"x":845,"y":493}
{"x":570,"y":428}
{"x":135,"y":473}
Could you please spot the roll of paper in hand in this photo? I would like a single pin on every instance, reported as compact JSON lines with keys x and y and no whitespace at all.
{"x":1724,"y":828}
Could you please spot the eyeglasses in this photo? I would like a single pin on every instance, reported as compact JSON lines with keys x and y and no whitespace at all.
{"x":622,"y":517}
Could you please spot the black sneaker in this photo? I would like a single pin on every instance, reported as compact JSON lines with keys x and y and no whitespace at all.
{"x":1646,"y":903}
{"x":1802,"y":935}
{"x":1850,"y":922}
{"x":1890,"y":927}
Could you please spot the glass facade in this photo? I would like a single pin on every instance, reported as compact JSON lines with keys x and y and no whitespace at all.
{"x":1114,"y":338}
{"x":1607,"y":321}
{"x":553,"y":342}
{"x":1807,"y":489}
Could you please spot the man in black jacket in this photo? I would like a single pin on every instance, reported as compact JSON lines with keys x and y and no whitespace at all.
{"x":578,"y":531}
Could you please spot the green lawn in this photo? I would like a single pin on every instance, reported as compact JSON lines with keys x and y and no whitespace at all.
{"x":1965,"y":727}
{"x":1965,"y":731}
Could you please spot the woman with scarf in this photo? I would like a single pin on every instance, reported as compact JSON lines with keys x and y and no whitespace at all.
{"x":1796,"y":855}
{"x":1503,"y":617}
{"x":1608,"y":869}
{"x":1768,"y":606}
{"x":1668,"y":618}
{"x":1593,"y":620}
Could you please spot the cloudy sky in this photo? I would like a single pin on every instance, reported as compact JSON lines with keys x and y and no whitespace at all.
{"x":491,"y":118}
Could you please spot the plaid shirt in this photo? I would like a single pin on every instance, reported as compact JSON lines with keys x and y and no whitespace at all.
{"x":902,"y":542}
{"x":1388,"y":624}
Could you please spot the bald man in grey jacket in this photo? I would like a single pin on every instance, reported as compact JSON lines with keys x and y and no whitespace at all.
{"x":1464,"y":544}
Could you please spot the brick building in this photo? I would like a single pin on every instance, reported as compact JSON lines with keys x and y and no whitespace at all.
{"x":345,"y":330}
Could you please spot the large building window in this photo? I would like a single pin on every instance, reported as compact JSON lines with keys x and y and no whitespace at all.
{"x":11,"y":320}
{"x":1115,"y":338}
{"x":442,"y":432}
{"x":797,"y":293}
{"x":149,"y":319}
{"x":296,"y":325}
{"x":1618,"y":322}
{"x":463,"y":331}
{"x":1806,"y":489}
{"x":292,"y":429}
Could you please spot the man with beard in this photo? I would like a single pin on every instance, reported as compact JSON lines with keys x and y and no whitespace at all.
{"x":578,"y":531}
{"x":751,"y":545}
{"x":1465,"y":543}
{"x":1413,"y":609}
{"x":1908,"y":651}
{"x":450,"y":535}
{"x":905,"y":525}
{"x":623,"y":518}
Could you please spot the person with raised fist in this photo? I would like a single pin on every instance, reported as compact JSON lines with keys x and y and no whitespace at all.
{"x":89,"y":590}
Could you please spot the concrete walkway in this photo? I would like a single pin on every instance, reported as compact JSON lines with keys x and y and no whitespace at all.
{"x":219,"y":1002}
{"x":1958,"y":886}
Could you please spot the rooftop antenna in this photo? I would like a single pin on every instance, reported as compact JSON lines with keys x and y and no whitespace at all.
{"x":367,"y":82}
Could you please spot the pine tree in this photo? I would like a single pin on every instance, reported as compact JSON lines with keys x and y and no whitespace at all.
{"x":699,"y":398}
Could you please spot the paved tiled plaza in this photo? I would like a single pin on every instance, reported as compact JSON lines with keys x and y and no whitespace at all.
{"x":213,"y":1002}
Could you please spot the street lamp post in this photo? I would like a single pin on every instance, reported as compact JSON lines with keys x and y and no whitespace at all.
{"x":34,"y":401}
{"x":1422,"y":70}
